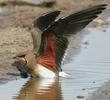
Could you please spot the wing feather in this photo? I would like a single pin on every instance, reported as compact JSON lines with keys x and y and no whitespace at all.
{"x":46,"y":19}
{"x":40,"y":24}
{"x":65,"y":27}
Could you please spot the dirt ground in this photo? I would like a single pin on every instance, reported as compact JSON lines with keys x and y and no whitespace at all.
{"x":15,"y":20}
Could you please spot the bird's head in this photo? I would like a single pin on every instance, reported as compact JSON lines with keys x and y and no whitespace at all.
{"x":26,"y":58}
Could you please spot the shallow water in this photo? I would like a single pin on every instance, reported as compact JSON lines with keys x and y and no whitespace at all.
{"x":89,"y":70}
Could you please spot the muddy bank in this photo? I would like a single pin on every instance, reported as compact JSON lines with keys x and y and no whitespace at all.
{"x":14,"y":33}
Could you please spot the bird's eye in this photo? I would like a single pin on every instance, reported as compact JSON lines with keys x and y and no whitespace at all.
{"x":23,"y":56}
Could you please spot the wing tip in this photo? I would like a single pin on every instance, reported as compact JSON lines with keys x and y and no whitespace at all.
{"x":48,"y":18}
{"x":101,"y":6}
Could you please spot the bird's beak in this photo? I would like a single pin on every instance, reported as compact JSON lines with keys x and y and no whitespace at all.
{"x":14,"y":57}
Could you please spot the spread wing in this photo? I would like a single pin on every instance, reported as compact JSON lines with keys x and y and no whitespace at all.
{"x":40,"y":25}
{"x":55,"y":39}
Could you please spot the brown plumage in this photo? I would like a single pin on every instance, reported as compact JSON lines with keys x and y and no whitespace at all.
{"x":50,"y":38}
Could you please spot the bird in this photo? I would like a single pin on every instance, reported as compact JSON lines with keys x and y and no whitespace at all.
{"x":50,"y":41}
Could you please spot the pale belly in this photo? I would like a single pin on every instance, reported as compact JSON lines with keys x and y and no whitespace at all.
{"x":45,"y":73}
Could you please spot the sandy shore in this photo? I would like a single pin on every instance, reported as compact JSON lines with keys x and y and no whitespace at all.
{"x":14,"y":33}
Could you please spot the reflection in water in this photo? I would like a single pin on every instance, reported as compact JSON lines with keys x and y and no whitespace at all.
{"x":40,"y":89}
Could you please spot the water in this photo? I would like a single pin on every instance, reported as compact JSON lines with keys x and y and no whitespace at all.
{"x":89,"y":70}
